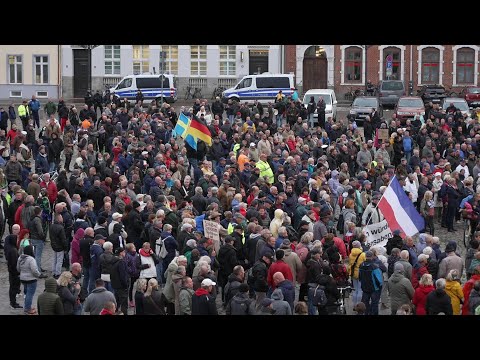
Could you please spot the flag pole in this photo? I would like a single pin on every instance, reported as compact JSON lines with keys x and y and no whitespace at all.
{"x":366,"y":222}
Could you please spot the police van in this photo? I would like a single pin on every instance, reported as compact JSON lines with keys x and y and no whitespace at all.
{"x":263,"y":87}
{"x":151,"y":86}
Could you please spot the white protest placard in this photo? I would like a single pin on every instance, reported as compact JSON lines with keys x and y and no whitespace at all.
{"x":377,"y":234}
{"x":210,"y":229}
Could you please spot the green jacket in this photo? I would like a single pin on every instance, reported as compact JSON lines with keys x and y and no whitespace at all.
{"x":48,"y":302}
{"x":50,"y":108}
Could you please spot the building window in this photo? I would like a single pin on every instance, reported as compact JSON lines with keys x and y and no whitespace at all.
{"x":141,"y":59}
{"x":112,"y":59}
{"x":353,"y":64}
{"x":393,"y":55}
{"x":228,"y":60}
{"x":430,"y":66}
{"x":465,"y":66}
{"x":15,"y":69}
{"x":42,"y":94}
{"x":171,"y":61}
{"x":198,"y":60}
{"x":40,"y":65}
{"x":15,"y":93}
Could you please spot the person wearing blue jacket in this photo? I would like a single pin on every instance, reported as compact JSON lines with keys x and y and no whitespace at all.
{"x":371,"y":281}
{"x":407,"y":145}
{"x":287,"y":288}
{"x":34,"y":105}
{"x":95,"y":251}
{"x":41,"y":161}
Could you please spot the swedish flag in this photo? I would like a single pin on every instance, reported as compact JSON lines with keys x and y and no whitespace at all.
{"x":181,"y":129}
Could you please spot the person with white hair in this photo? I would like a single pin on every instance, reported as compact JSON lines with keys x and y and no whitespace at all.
{"x":107,"y":260}
{"x":438,"y":300}
{"x":404,"y":260}
{"x":169,"y":291}
{"x":454,"y":290}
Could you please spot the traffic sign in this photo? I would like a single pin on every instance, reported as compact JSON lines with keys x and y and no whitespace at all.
{"x":389,"y":65}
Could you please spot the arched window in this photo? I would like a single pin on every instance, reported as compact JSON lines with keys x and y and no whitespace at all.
{"x":353,"y":64}
{"x":315,"y":51}
{"x":392,"y":63}
{"x":430,"y":65}
{"x":465,"y":65}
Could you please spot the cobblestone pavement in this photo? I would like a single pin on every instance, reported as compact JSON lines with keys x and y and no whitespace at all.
{"x":47,"y":258}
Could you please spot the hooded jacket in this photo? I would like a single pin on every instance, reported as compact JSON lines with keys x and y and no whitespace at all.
{"x":231,"y":287}
{"x":57,"y":237}
{"x":276,"y":223}
{"x":185,"y":299}
{"x":227,"y":257}
{"x":48,"y":302}
{"x":288,"y":291}
{"x":467,"y":289}
{"x":241,"y":304}
{"x":119,"y":274}
{"x":280,"y":306}
{"x":400,"y":289}
{"x":203,"y":303}
{"x":75,"y":245}
{"x":454,"y":290}
{"x":420,"y":298}
{"x":27,"y":267}
{"x":97,"y":299}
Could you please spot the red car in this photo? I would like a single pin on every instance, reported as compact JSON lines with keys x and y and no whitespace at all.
{"x":471,"y":94}
{"x":408,"y":107}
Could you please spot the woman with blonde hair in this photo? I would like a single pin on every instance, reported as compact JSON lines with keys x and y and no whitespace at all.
{"x":420,"y":297}
{"x":427,"y":210}
{"x":68,"y":292}
{"x":152,"y":301}
{"x":454,"y":290}
{"x":141,"y":287}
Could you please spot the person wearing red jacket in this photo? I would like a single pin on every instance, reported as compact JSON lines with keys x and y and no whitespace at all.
{"x":279,"y":266}
{"x":51,"y":188}
{"x":420,"y":297}
{"x":467,"y":289}
{"x":419,"y":270}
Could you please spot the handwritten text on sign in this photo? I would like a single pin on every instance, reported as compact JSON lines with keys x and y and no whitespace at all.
{"x":211,"y":230}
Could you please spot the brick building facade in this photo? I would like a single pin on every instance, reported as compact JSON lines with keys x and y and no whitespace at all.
{"x":347,"y":67}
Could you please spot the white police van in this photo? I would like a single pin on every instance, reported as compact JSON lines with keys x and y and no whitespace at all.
{"x":263,"y":87}
{"x":151,"y":86}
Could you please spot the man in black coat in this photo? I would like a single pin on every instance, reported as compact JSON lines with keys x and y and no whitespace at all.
{"x":235,"y":279}
{"x":119,"y":280}
{"x":96,"y":193}
{"x":59,"y":244}
{"x":203,"y":303}
{"x":85,"y":244}
{"x":227,"y":258}
{"x":135,"y":223}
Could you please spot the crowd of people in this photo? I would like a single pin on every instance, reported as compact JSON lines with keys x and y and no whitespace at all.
{"x":122,"y":201}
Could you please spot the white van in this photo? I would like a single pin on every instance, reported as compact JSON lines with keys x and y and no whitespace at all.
{"x":330,"y":101}
{"x":151,"y":87}
{"x":263,"y":87}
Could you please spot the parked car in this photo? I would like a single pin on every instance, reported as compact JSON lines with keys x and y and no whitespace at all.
{"x":408,"y":107}
{"x":432,"y":93}
{"x":471,"y":94}
{"x":459,"y":103}
{"x":389,"y":91}
{"x":362,"y":106}
{"x":330,"y":101}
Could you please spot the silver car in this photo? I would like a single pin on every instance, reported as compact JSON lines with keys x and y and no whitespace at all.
{"x":459,"y":103}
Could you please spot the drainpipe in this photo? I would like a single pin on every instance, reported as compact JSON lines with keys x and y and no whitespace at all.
{"x":282,"y":59}
{"x":59,"y":69}
{"x":411,"y":62}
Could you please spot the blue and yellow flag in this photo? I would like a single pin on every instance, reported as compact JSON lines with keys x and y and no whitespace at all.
{"x":181,"y":129}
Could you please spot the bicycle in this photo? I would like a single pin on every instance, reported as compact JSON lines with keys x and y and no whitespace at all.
{"x":53,"y":176}
{"x":189,"y":93}
{"x":341,"y":308}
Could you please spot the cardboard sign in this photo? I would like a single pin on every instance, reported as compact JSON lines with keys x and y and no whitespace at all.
{"x":383,"y":135}
{"x":210,"y":229}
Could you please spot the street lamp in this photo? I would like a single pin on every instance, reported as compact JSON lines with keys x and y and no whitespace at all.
{"x":163,"y":57}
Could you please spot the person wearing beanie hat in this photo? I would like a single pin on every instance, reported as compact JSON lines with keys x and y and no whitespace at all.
{"x":241,"y":303}
{"x":450,"y":261}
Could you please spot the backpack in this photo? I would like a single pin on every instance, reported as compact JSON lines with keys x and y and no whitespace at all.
{"x":317,"y":294}
{"x":163,"y":250}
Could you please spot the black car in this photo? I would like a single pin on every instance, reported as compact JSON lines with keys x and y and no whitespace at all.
{"x":432,"y":93}
{"x":362,"y":106}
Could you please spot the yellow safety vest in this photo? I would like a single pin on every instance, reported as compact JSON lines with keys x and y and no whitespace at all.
{"x":265,"y":170}
{"x":22,"y":110}
{"x":230,"y":231}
